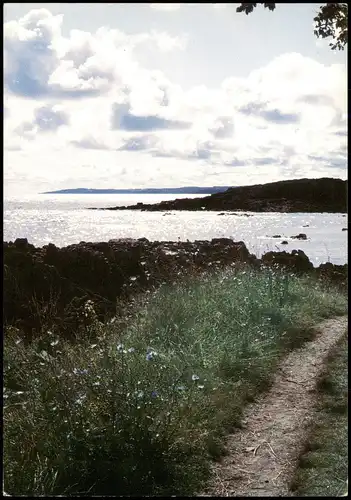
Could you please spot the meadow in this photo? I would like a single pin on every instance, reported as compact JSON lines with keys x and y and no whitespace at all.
{"x":142,"y":406}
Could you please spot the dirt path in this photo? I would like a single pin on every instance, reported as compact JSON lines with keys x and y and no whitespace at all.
{"x":263,"y":455}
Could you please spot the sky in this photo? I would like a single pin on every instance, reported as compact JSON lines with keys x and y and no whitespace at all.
{"x":164,"y":95}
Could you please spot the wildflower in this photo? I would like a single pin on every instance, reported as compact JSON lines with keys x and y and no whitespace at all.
{"x":150,"y":355}
{"x":92,"y":346}
{"x":120,"y":347}
{"x":80,"y":399}
{"x":195,"y":377}
{"x":77,"y":371}
{"x":18,"y":341}
{"x":55,"y":342}
{"x":133,"y":278}
{"x":131,"y":349}
{"x":201,"y":386}
{"x":181,"y":388}
{"x":154,"y":394}
{"x":44,"y":355}
{"x":140,"y":394}
{"x":95,"y":384}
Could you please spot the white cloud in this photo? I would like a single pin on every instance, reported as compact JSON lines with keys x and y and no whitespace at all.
{"x":39,"y":61}
{"x":85,"y":99}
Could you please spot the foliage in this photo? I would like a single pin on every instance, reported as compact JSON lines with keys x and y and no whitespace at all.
{"x":331,"y":21}
{"x":142,"y":409}
{"x":323,"y":468}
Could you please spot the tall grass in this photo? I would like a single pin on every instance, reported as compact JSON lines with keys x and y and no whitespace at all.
{"x":143,"y":409}
{"x":323,"y":467}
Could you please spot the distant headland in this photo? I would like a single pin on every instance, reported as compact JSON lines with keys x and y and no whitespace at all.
{"x":166,"y":190}
{"x":297,"y":195}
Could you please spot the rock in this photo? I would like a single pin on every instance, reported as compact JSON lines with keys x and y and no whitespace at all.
{"x":296,"y":261}
{"x":344,"y":229}
{"x":299,"y":195}
{"x":333,"y":273}
{"x":284,"y":242}
{"x":306,"y":225}
{"x":63,"y":279}
{"x":222,"y":241}
{"x":21,"y":243}
{"x":276,"y":236}
{"x":300,"y":236}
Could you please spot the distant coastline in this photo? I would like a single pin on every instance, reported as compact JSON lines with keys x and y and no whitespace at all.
{"x":295,"y":195}
{"x":177,"y":190}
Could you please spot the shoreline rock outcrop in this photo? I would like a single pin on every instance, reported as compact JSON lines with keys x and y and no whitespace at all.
{"x":50,"y":284}
{"x":301,"y":195}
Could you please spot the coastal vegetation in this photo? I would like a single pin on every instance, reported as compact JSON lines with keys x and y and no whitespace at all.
{"x":141,"y":406}
{"x":323,"y":466}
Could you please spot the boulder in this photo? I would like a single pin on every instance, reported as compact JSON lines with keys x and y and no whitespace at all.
{"x":300,"y":236}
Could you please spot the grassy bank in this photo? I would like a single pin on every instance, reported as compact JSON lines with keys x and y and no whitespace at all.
{"x":143,"y":409}
{"x":323,"y":467}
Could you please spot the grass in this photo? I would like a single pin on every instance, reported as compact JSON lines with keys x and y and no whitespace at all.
{"x":323,"y":467}
{"x":144,"y":409}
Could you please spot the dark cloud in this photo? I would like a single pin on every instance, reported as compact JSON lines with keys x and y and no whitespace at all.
{"x":46,"y":119}
{"x":89,"y":143}
{"x":203,"y":151}
{"x":123,"y":119}
{"x":139,"y":143}
{"x":235,"y":162}
{"x":265,"y":161}
{"x":339,"y":160}
{"x":49,"y":120}
{"x":317,"y":100}
{"x":260,"y":110}
{"x":276,"y":116}
{"x":252,"y":108}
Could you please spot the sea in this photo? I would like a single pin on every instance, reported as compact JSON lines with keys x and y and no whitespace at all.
{"x":63,"y":219}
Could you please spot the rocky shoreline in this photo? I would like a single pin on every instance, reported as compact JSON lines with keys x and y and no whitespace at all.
{"x":301,"y":195}
{"x":60,"y":280}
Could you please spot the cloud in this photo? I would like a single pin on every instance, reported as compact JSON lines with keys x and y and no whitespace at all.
{"x":46,"y":119}
{"x":50,"y":118}
{"x":139,"y":143}
{"x":29,"y":58}
{"x":317,"y":100}
{"x":41,"y":63}
{"x":260,"y":110}
{"x":123,"y":119}
{"x":223,"y":128}
{"x":89,"y":143}
{"x":86,"y":99}
{"x":276,"y":116}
